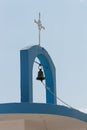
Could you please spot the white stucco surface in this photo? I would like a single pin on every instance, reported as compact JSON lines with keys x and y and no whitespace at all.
{"x":12,"y":125}
{"x":39,"y":122}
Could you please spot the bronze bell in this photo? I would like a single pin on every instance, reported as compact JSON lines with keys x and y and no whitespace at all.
{"x":40,"y":75}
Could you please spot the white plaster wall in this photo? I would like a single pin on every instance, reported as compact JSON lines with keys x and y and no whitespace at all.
{"x":12,"y":125}
{"x":52,"y":122}
{"x":35,"y":125}
{"x":40,"y":122}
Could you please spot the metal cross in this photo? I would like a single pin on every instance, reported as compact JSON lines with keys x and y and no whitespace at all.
{"x":40,"y":26}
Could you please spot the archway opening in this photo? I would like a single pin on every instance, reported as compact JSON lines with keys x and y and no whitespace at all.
{"x":39,"y":91}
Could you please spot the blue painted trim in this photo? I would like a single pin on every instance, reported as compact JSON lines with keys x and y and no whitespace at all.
{"x":38,"y":108}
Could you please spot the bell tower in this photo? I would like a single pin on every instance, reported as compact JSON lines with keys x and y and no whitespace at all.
{"x":27,"y":58}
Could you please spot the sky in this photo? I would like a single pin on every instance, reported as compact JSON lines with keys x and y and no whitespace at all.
{"x":64,"y":37}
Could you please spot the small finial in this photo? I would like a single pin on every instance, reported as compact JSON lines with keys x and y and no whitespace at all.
{"x":40,"y":26}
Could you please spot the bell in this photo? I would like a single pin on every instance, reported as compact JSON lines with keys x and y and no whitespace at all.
{"x":40,"y":75}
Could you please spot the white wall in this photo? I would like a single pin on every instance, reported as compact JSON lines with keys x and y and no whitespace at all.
{"x":12,"y":125}
{"x":40,"y":122}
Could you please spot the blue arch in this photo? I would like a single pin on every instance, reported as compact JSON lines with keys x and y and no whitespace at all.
{"x":27,"y":57}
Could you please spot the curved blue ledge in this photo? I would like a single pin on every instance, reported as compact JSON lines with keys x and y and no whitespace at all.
{"x":38,"y":108}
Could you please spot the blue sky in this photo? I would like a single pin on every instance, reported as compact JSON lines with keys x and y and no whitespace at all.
{"x":65,"y":38}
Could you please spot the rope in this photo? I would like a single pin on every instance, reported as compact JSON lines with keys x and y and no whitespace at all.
{"x":37,"y":62}
{"x":56,"y":96}
{"x":53,"y":93}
